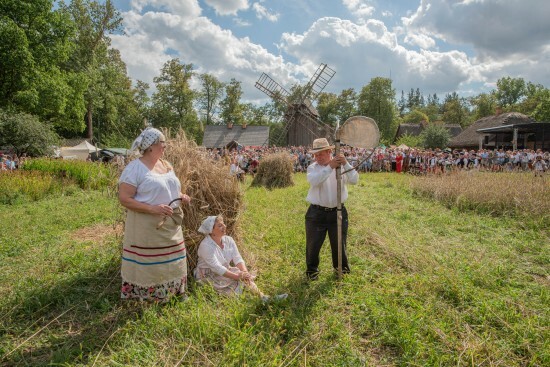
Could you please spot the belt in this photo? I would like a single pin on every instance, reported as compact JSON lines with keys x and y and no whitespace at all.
{"x":324,"y":208}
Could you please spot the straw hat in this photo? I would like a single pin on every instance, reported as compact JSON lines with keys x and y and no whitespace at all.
{"x":320,"y":145}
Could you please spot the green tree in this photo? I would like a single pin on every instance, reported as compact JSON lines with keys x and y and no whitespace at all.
{"x":209,"y":96}
{"x":173,"y":100}
{"x":509,"y":91}
{"x":542,"y":110}
{"x":435,"y":136}
{"x":347,"y":104}
{"x":24,"y":133}
{"x":34,"y":53}
{"x":327,"y":107}
{"x":231,"y":107}
{"x":455,"y":110}
{"x":412,"y":141}
{"x":484,"y":105}
{"x":377,"y":100}
{"x":95,"y":21}
{"x":415,"y":117}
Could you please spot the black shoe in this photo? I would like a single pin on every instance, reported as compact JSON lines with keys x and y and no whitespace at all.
{"x":312,"y":276}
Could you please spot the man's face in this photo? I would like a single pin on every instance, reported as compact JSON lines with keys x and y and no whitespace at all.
{"x":323,"y":157}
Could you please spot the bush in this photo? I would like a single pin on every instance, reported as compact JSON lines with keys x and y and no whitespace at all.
{"x":24,"y":133}
{"x":410,"y":141}
{"x":435,"y":136}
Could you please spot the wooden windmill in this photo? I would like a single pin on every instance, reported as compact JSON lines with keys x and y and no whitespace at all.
{"x":302,"y":123}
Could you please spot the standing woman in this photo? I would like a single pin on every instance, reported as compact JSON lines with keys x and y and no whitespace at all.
{"x":154,"y":259}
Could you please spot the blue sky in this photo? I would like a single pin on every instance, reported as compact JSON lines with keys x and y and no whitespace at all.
{"x":439,"y":46}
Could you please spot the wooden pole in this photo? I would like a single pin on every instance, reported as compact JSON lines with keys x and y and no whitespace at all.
{"x":339,"y":204}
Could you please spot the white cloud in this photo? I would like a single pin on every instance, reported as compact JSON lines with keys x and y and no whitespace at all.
{"x":495,"y":28}
{"x":151,"y":36}
{"x":387,"y":13}
{"x":360,"y":8}
{"x":420,"y":40}
{"x":187,"y":8}
{"x":227,"y":7}
{"x":241,"y":22}
{"x":361,"y":52}
{"x":262,"y":12}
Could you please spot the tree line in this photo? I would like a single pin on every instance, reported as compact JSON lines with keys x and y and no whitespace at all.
{"x":61,"y":78}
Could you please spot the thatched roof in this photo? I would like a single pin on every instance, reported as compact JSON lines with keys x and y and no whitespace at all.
{"x":416,"y":129}
{"x":218,"y":136}
{"x":470,"y":137}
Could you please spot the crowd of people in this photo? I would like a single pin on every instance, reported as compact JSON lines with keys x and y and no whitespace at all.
{"x":391,"y":159}
{"x":11,"y":162}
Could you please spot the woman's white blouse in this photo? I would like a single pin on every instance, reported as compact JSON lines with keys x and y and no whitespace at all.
{"x":212,"y":257}
{"x":152,"y":188}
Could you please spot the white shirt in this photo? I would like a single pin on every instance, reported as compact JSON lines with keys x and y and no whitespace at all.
{"x":151,"y":188}
{"x":212,"y":257}
{"x":322,"y":184}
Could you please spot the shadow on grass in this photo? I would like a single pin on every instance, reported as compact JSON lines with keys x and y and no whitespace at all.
{"x":293,"y":316}
{"x":69,"y":322}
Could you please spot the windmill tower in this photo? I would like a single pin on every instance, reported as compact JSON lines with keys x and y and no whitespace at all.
{"x":302,"y":123}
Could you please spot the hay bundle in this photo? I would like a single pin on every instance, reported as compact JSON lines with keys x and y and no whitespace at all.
{"x":275,"y":170}
{"x":211,"y":188}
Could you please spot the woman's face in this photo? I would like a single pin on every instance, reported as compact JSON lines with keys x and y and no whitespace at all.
{"x":159,"y":147}
{"x":219,"y":228}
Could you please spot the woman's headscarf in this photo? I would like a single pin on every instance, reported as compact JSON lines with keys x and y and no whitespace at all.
{"x":208,"y":225}
{"x":147,"y":138}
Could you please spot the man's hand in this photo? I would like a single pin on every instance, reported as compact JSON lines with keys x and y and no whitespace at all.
{"x":338,"y":161}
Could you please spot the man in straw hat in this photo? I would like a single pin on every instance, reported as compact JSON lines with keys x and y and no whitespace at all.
{"x":321,"y":216}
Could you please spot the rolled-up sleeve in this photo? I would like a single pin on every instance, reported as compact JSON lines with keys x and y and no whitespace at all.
{"x":351,"y":177}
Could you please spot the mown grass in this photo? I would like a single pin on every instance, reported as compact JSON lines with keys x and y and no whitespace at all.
{"x":430,"y":285}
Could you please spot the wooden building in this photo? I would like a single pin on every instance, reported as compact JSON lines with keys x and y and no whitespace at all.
{"x":219,"y":136}
{"x":496,"y":132}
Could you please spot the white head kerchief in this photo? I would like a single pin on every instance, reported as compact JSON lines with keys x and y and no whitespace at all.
{"x":147,"y":138}
{"x":208,"y":225}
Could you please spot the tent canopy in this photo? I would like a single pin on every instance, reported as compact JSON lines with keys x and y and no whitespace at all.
{"x":79,"y":152}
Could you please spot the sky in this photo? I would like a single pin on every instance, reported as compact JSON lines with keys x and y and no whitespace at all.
{"x":438,"y":46}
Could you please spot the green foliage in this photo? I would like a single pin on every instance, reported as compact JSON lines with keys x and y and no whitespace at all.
{"x":435,"y":136}
{"x":24,"y":133}
{"x":209,"y":96}
{"x":455,"y":110}
{"x":376,"y":100}
{"x":415,"y":117}
{"x":87,"y":175}
{"x":484,"y":105}
{"x":173,"y":101}
{"x":509,"y":91}
{"x":21,"y":186}
{"x":231,"y":106}
{"x":410,"y":141}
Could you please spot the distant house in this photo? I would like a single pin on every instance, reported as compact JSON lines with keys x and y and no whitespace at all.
{"x":416,"y":129}
{"x":219,"y":136}
{"x":495,"y":132}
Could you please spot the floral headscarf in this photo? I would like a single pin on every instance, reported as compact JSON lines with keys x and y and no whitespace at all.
{"x":147,"y":138}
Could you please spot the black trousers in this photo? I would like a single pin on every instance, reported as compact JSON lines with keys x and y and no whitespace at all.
{"x":318,"y":223}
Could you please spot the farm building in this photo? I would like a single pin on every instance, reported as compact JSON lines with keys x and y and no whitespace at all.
{"x":511,"y":130}
{"x":219,"y":136}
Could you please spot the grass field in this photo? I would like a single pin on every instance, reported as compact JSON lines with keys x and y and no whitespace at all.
{"x":430,"y":286}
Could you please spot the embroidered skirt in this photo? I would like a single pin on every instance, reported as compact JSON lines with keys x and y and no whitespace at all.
{"x":154,"y":261}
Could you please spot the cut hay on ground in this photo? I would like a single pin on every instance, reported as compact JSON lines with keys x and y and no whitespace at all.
{"x":275,"y":171}
{"x":211,"y":188}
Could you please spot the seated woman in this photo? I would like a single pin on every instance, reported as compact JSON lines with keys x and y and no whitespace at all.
{"x":215,"y":253}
